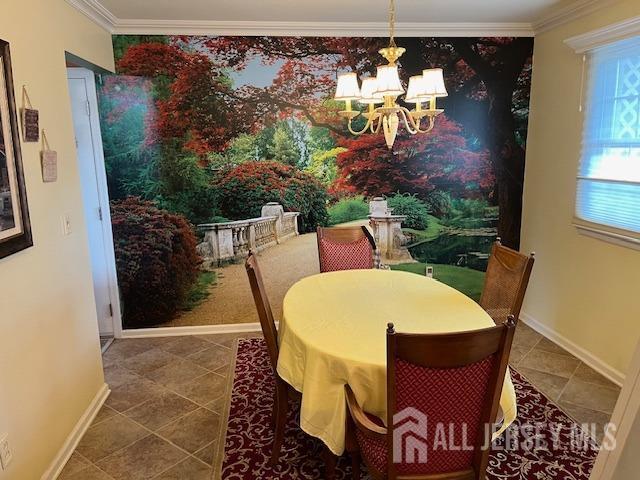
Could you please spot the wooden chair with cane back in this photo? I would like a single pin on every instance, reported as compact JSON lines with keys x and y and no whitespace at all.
{"x":345,"y":248}
{"x":451,"y":379}
{"x":505,"y":282}
{"x":283,"y":391}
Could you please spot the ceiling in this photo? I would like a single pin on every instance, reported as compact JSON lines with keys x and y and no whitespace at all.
{"x":526,"y":11}
{"x":335,"y":17}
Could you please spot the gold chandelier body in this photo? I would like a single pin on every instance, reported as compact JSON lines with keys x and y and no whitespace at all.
{"x":385,"y":89}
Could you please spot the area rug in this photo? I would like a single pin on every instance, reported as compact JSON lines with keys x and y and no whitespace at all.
{"x":543,"y":443}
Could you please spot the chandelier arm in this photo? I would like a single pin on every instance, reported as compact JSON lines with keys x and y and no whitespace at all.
{"x":409,"y":122}
{"x":366,"y":127}
{"x":376,"y":129}
{"x":416,"y":124}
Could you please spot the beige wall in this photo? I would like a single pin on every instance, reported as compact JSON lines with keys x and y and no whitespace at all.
{"x":584,"y":289}
{"x":50,"y":366}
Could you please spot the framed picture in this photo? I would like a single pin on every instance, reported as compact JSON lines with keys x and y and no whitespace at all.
{"x":15,"y":229}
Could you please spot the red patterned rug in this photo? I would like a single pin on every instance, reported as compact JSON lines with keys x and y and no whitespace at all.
{"x":547,"y":454}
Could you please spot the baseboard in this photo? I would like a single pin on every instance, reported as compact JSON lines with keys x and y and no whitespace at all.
{"x":194,"y":330}
{"x":76,"y":434}
{"x":616,"y":376}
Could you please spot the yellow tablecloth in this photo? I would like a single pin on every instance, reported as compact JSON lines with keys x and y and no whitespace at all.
{"x":333,"y":333}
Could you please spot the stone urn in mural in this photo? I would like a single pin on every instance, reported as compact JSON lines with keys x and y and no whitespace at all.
{"x":387,"y":232}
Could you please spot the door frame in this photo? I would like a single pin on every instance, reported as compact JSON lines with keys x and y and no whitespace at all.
{"x":80,"y":73}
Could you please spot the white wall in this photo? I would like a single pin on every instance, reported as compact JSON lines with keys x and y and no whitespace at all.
{"x":50,"y":365}
{"x":582,"y":289}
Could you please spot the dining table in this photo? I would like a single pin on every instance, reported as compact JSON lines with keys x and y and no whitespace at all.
{"x":333,"y":333}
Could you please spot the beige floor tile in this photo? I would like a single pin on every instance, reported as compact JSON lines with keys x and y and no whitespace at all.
{"x":589,"y":395}
{"x":589,"y":375}
{"x":104,"y":413}
{"x":127,"y":347}
{"x":207,"y":454}
{"x":218,"y":404}
{"x":518,"y":352}
{"x":193,"y":431}
{"x":90,"y":473}
{"x":148,"y":361}
{"x":75,"y":463}
{"x":176,"y":373}
{"x":160,"y":411}
{"x":116,"y":375}
{"x":224,"y":339}
{"x":550,"y":385}
{"x":142,"y":460}
{"x":560,"y":365}
{"x":596,"y":421}
{"x":526,"y":336}
{"x":186,"y":345}
{"x":133,"y":393}
{"x":212,"y":358}
{"x":548,"y":346}
{"x":106,"y":437}
{"x":191,"y":469}
{"x":204,"y":389}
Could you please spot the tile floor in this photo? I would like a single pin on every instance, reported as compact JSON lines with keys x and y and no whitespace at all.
{"x":163,"y":417}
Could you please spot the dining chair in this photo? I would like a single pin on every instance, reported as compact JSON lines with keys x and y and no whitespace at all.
{"x":450,"y":380}
{"x":283,"y":391}
{"x":345,"y":248}
{"x":505,"y":282}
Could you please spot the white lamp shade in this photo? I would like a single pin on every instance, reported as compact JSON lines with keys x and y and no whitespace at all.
{"x":434,"y":82}
{"x":347,"y":88}
{"x":416,"y":91}
{"x":389,"y":81}
{"x":368,"y":91}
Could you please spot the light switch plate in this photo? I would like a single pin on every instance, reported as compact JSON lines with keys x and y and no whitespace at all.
{"x":66,"y":224}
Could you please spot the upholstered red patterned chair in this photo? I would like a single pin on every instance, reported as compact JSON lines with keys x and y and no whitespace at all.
{"x":505,"y":282}
{"x":345,"y":248}
{"x":283,"y":391}
{"x":455,"y":381}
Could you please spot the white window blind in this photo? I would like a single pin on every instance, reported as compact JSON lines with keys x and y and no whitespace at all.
{"x":608,"y":190}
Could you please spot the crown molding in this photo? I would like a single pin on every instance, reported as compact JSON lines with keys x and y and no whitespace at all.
{"x":321,"y":29}
{"x":603,"y":36}
{"x":96,"y":12}
{"x":568,"y":13}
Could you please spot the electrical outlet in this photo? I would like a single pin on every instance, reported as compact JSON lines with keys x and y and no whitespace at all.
{"x":6,"y":455}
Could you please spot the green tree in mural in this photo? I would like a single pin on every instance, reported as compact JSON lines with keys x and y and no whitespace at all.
{"x":285,"y":149}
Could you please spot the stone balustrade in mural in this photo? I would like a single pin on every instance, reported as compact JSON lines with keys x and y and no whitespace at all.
{"x":228,"y":241}
{"x":387,"y":232}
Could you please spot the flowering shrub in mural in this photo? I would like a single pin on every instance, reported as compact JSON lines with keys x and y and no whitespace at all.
{"x":243,"y":191}
{"x":215,"y":127}
{"x":156,"y":260}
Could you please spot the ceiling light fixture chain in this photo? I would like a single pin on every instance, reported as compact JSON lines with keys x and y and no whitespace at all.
{"x":385,"y":88}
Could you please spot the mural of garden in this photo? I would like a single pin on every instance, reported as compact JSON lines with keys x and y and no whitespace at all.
{"x":201,"y":130}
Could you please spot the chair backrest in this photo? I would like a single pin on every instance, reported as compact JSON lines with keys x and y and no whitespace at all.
{"x":265,"y":314}
{"x":455,"y":381}
{"x":345,"y":248}
{"x":505,"y":282}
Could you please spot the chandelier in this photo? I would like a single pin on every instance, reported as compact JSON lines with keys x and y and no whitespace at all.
{"x":384,"y":90}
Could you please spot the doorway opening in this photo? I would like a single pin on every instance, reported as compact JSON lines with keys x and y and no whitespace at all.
{"x":86,"y":122}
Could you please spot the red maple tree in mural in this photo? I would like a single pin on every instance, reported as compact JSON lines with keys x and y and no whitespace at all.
{"x":414,"y":165}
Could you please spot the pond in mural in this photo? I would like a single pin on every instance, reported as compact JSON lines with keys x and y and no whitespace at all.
{"x":202,"y":131}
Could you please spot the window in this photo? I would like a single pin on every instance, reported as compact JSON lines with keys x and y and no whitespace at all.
{"x":608,"y":190}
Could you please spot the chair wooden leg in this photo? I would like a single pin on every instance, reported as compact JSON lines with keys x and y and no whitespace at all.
{"x":330,"y":461}
{"x":351,"y":446}
{"x":282,"y":404}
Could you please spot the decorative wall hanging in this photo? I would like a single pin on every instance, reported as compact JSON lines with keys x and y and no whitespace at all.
{"x":30,"y":119}
{"x":15,"y":228}
{"x":49,"y":161}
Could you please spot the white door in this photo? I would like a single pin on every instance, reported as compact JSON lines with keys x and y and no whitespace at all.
{"x":82,"y":91}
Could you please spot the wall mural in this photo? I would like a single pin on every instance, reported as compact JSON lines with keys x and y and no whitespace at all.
{"x":207,"y":130}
